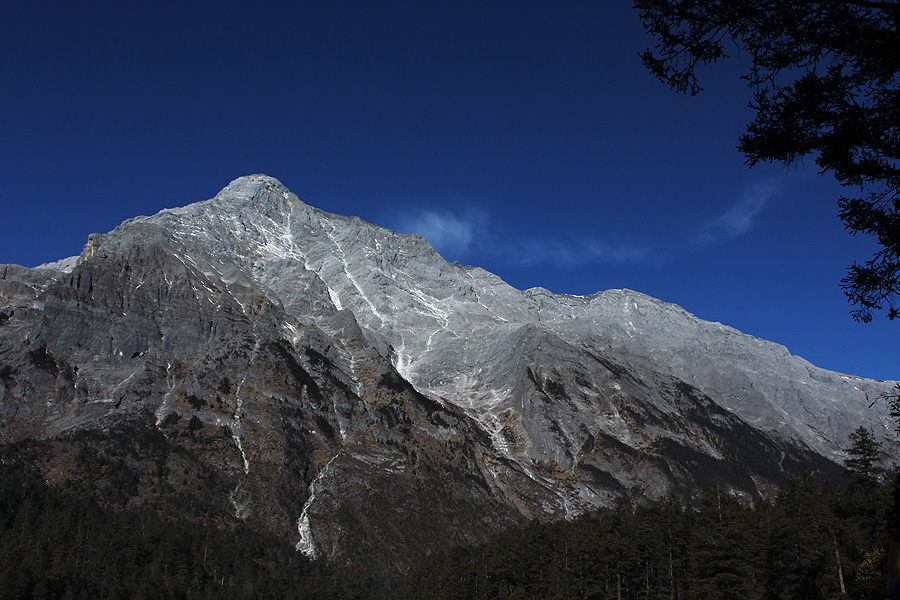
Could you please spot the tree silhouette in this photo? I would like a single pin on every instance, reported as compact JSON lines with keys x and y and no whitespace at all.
{"x":864,"y":456}
{"x":825,"y":79}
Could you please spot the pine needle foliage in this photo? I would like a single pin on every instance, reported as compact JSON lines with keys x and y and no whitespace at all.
{"x":825,"y":82}
{"x":814,"y":541}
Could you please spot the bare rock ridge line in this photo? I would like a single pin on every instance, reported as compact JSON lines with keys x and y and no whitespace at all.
{"x":430,"y":312}
{"x":345,"y":387}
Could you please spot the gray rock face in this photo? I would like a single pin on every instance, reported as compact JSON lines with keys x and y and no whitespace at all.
{"x":453,"y":331}
{"x":272,"y":345}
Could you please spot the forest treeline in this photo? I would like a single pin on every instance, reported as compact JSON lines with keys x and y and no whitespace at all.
{"x":61,"y":543}
{"x":814,"y":541}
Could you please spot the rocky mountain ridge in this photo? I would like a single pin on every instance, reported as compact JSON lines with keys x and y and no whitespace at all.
{"x":344,"y":386}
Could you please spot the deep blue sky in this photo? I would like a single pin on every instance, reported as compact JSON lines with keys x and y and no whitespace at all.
{"x":523,"y":137}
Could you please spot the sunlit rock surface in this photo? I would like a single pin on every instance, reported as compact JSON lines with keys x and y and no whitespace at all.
{"x":345,"y":387}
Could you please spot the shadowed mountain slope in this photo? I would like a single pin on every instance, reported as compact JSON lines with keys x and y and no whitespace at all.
{"x":251,"y":357}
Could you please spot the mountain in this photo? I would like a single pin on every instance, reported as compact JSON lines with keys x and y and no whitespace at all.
{"x":253,"y":358}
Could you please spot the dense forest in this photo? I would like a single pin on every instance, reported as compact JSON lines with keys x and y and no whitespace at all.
{"x":813,"y":541}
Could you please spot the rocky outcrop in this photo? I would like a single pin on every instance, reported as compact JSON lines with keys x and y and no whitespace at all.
{"x":251,"y":357}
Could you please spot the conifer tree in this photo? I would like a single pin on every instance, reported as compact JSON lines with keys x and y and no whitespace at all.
{"x":725,"y":551}
{"x":801,"y":549}
{"x":864,"y":458}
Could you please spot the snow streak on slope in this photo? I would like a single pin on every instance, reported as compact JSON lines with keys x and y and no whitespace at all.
{"x":270,"y":337}
{"x":307,"y":543}
{"x":463,"y":335}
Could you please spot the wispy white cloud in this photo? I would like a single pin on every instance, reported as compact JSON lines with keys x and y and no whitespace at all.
{"x":738,"y":219}
{"x":450,"y":234}
{"x":471,"y":232}
{"x":571,"y":253}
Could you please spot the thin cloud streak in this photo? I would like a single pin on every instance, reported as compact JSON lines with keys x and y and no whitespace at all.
{"x":570,"y":254}
{"x":737,"y":220}
{"x":450,"y":234}
{"x":471,"y":232}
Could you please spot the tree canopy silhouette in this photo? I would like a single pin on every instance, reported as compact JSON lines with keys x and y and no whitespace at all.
{"x":825,"y":81}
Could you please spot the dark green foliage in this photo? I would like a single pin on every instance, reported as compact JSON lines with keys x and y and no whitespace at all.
{"x":799,"y":547}
{"x":316,"y":358}
{"x":6,"y":374}
{"x":826,"y":82}
{"x":803,"y":547}
{"x":324,"y":426}
{"x":893,"y":402}
{"x":194,"y":424}
{"x":195,"y":401}
{"x":726,"y":550}
{"x":42,"y":359}
{"x":301,"y":379}
{"x":57,"y":543}
{"x":394,"y":382}
{"x":864,"y":462}
{"x":861,"y":507}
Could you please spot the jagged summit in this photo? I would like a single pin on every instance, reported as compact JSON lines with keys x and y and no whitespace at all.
{"x":331,"y":365}
{"x":257,"y":191}
{"x":448,"y":329}
{"x":251,"y":183}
